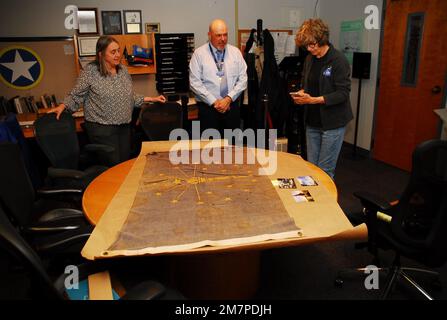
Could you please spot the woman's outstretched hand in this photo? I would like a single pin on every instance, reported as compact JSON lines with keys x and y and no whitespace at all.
{"x":160,"y":98}
{"x":58,"y":110}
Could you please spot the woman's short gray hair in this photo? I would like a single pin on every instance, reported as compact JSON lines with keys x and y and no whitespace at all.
{"x":312,"y":31}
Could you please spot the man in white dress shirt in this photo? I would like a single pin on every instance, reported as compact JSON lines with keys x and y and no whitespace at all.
{"x":218,"y":76}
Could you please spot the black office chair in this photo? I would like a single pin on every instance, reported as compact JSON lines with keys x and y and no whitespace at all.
{"x":418,"y":225}
{"x":11,"y":131}
{"x":159,"y":119}
{"x":59,"y":142}
{"x":62,"y":230}
{"x":42,"y":287}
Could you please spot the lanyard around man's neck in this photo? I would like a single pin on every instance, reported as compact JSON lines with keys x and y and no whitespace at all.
{"x":219,"y":64}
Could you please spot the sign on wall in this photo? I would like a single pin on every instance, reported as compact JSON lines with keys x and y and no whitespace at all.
{"x":351,"y":37}
{"x":20,"y":67}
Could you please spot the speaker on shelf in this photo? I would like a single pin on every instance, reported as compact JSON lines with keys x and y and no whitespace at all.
{"x":361,"y":65}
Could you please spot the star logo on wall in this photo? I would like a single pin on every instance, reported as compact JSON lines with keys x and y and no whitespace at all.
{"x":20,"y":67}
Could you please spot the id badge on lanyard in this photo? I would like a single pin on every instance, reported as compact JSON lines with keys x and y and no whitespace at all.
{"x":219,"y":64}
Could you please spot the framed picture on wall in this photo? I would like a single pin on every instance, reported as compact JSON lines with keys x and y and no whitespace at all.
{"x":87,"y":46}
{"x":152,"y":27}
{"x":111,"y":22}
{"x":132,"y":21}
{"x":88,"y":21}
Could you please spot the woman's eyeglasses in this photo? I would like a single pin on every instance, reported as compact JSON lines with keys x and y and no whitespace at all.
{"x":311,"y":45}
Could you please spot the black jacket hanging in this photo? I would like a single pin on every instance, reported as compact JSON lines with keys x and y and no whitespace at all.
{"x":273,"y":85}
{"x":249,"y":115}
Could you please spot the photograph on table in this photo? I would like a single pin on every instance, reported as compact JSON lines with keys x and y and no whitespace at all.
{"x":306,"y":181}
{"x":286,"y":183}
{"x":302,"y":196}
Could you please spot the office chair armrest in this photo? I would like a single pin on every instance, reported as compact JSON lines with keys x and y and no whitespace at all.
{"x":372,"y":202}
{"x":57,"y":173}
{"x":57,"y":197}
{"x":56,"y":226}
{"x":60,"y":242}
{"x":60,"y":214}
{"x":147,"y":290}
{"x":48,"y":230}
{"x":58,"y":220}
{"x":51,"y":193}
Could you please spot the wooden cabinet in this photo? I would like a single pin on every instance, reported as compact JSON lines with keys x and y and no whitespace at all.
{"x":125,"y":41}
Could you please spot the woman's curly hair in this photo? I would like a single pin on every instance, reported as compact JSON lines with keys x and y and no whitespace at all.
{"x":312,"y":31}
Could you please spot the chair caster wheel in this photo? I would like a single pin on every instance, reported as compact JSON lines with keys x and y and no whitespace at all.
{"x":338,"y":282}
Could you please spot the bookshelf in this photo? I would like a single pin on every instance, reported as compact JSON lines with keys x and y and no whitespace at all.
{"x":28,"y":108}
{"x":26,"y":104}
{"x":125,"y":40}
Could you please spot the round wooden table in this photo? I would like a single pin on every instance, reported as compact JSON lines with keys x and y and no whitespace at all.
{"x":102,"y":189}
{"x":203,"y":273}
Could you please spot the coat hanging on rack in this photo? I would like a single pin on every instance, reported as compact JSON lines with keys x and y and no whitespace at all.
{"x":264,"y":79}
{"x":248,"y":112}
